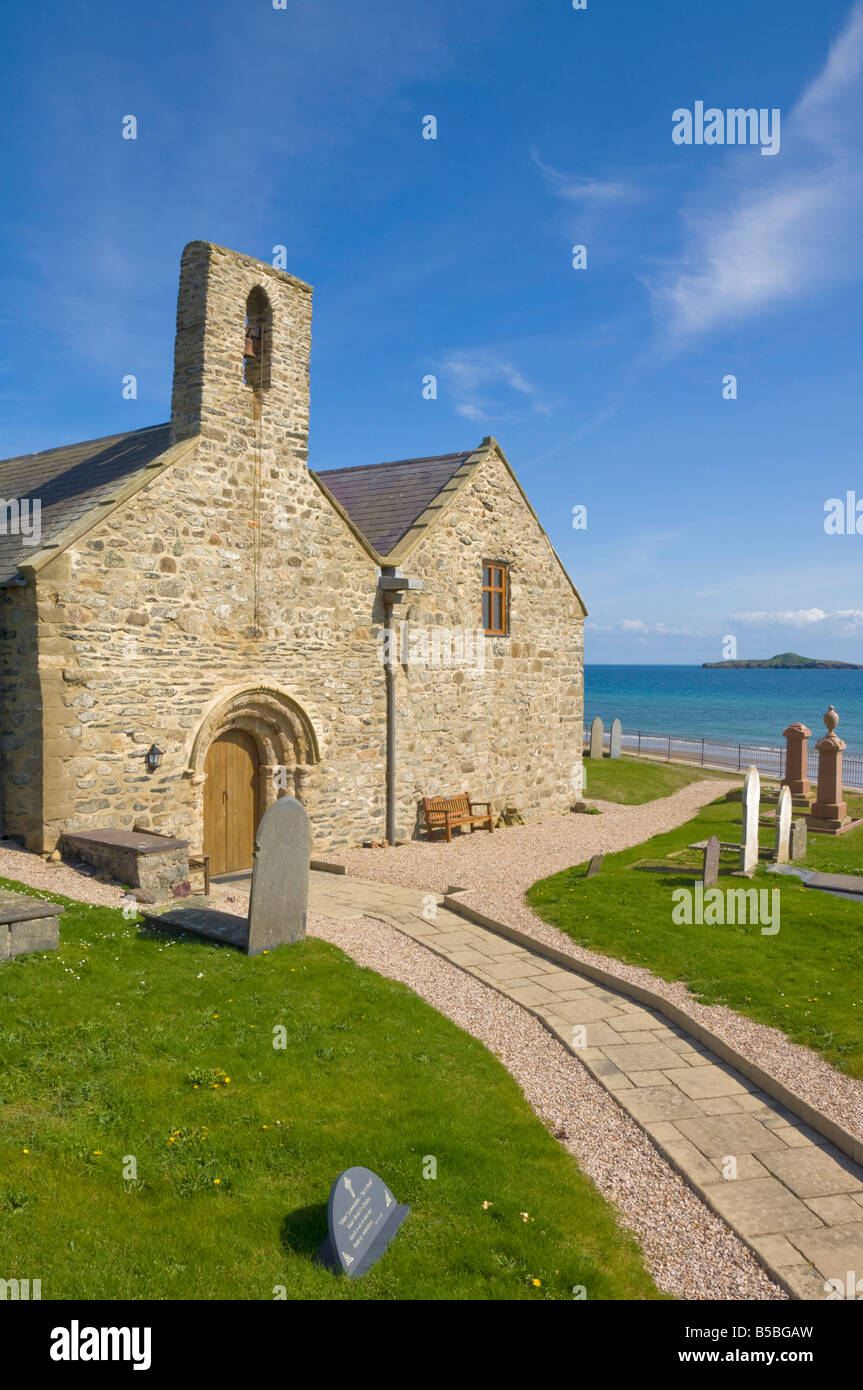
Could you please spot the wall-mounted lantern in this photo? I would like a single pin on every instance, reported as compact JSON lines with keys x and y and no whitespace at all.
{"x":154,"y":757}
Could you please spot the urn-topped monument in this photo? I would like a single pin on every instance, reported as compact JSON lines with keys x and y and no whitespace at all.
{"x":830,"y":813}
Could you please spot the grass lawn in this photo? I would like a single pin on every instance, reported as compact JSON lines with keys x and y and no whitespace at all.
{"x":146,"y":1045}
{"x":806,"y":980}
{"x":838,"y":854}
{"x":632,"y":781}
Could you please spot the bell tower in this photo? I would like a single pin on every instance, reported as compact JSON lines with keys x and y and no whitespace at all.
{"x":241,"y":355}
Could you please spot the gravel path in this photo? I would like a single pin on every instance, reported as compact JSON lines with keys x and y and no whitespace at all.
{"x":25,"y":867}
{"x":690,"y":1252}
{"x":499,"y":876}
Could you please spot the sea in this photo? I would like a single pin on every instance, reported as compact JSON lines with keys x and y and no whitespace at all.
{"x":733,"y":706}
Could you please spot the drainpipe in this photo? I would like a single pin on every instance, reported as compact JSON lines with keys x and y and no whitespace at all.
{"x":392,"y":585}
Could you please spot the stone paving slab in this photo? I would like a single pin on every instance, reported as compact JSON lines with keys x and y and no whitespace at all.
{"x":794,"y":1198}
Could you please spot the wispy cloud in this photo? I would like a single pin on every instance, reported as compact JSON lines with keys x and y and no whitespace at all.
{"x":636,"y":627}
{"x":482,"y":384}
{"x":572,"y":188}
{"x":842,"y":622}
{"x":750,"y":246}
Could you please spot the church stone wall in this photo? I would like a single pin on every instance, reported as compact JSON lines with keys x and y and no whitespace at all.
{"x":229,"y":580}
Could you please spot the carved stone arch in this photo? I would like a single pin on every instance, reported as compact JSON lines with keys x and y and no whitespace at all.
{"x":281,"y":731}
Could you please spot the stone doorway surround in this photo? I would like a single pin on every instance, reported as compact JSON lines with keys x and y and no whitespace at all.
{"x":283,"y":735}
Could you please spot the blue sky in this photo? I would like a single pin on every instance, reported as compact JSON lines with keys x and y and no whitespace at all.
{"x":302,"y":127}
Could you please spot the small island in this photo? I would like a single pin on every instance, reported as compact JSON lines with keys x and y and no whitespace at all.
{"x":786,"y":661}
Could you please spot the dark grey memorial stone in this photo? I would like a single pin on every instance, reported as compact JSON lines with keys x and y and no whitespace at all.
{"x":594,"y":866}
{"x":838,"y":883}
{"x":197,"y":916}
{"x":710,"y":875}
{"x":280,"y":877}
{"x":362,"y":1218}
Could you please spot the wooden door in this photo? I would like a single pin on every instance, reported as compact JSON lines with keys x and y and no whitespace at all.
{"x":230,"y":802}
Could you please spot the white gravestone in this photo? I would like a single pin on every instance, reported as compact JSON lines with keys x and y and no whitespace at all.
{"x":616,"y":738}
{"x":596,"y":737}
{"x":783,"y":827}
{"x":751,"y":804}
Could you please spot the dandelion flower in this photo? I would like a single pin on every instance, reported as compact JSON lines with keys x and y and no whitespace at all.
{"x":216,"y":1182}
{"x":537,"y":1283}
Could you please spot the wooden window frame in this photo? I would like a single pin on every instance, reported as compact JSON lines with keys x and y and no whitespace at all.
{"x":493,"y":589}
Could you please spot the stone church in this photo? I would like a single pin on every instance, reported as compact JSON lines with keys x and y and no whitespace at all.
{"x":205,"y":624}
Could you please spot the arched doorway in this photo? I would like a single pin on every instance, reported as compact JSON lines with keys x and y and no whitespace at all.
{"x":269,"y":727}
{"x":231,"y":802}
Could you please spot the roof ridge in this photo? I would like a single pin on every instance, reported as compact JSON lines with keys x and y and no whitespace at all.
{"x":391,"y":463}
{"x":80,"y":443}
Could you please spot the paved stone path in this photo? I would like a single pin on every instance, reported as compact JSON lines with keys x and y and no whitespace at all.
{"x":785,"y":1190}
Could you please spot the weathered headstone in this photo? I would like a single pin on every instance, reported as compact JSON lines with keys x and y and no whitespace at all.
{"x":616,"y":738}
{"x":710,"y":874}
{"x":280,"y":877}
{"x":362,"y":1218}
{"x":783,"y":827}
{"x":751,"y":803}
{"x":594,"y":866}
{"x":799,"y":838}
{"x":596,"y":736}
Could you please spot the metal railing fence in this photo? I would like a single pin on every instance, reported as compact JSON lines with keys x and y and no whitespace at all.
{"x":734,"y":757}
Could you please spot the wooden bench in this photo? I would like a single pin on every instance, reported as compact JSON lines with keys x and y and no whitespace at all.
{"x":444,"y":812}
{"x":202,"y":862}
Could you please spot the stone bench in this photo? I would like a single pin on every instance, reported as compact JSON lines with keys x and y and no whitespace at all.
{"x":27,"y":924}
{"x":156,"y":865}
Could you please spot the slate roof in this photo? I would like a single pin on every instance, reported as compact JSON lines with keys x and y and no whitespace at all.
{"x":383,"y":500}
{"x":71,"y":481}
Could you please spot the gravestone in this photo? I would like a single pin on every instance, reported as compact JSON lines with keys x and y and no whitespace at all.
{"x":616,"y":738}
{"x":363,"y":1216}
{"x":280,"y":877}
{"x":783,"y":827}
{"x":710,"y":874}
{"x":751,"y":804}
{"x":596,"y":736}
{"x":279,"y":896}
{"x":799,"y":838}
{"x":594,"y":866}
